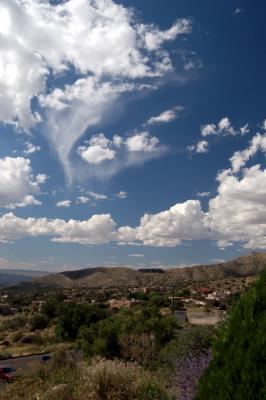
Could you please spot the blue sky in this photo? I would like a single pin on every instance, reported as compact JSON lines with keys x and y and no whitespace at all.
{"x":133,"y":133}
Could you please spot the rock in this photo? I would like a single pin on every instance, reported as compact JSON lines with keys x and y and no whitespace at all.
{"x":63,"y":389}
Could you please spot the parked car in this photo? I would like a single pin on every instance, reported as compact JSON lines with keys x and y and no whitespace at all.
{"x":45,"y":357}
{"x":7,"y":373}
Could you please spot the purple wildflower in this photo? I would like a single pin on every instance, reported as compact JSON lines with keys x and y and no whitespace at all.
{"x":190,"y":369}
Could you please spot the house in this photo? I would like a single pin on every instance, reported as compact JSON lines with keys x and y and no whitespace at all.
{"x":204,"y":290}
{"x":37,"y":305}
{"x":122,"y":303}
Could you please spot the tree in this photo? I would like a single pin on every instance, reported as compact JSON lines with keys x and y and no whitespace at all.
{"x":52,"y":304}
{"x":101,"y":338}
{"x":238,"y":368}
{"x":72,"y":316}
{"x":39,"y":321}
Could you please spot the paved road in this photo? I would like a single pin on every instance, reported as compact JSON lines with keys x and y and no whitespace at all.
{"x":27,"y":362}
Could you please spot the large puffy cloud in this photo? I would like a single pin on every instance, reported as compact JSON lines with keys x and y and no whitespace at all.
{"x":96,"y":230}
{"x":18,"y":184}
{"x":169,"y":228}
{"x":101,"y":41}
{"x":238,"y":212}
{"x":184,"y":221}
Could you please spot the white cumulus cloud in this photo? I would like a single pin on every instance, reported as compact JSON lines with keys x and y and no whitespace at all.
{"x":31,"y":148}
{"x":98,"y":229}
{"x":223,"y":127}
{"x":200,"y":147}
{"x":166,"y":116}
{"x":184,"y":221}
{"x":18,"y":183}
{"x":98,"y":150}
{"x":82,"y":200}
{"x":239,"y":158}
{"x":63,"y":203}
{"x":106,"y":156}
{"x":238,"y":212}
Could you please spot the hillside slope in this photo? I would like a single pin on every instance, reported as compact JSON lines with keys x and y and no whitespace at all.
{"x":247,"y":265}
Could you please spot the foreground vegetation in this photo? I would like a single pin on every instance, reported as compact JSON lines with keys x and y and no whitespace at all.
{"x":238,"y":368}
{"x":100,"y":380}
{"x":114,"y":379}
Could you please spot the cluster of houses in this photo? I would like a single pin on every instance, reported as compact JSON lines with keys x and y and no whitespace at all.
{"x":202,"y":296}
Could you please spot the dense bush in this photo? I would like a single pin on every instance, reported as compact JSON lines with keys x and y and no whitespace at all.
{"x":238,"y":368}
{"x":38,"y":321}
{"x":71,"y":316}
{"x":51,"y":306}
{"x":136,"y":334}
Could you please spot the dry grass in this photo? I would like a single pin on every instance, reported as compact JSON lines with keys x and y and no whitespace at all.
{"x":101,"y":380}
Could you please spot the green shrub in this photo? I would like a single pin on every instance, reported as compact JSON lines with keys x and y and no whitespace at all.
{"x":31,"y":339}
{"x":72,"y":316}
{"x":238,"y":368}
{"x":137,"y":335}
{"x":38,"y":321}
{"x":51,"y":306}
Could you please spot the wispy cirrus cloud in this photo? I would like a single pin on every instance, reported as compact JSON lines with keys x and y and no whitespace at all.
{"x":110,"y":52}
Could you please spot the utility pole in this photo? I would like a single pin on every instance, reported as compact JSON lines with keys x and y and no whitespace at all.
{"x":173,"y":299}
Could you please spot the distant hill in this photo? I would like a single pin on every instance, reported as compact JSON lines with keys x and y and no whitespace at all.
{"x":14,"y":276}
{"x":107,"y":277}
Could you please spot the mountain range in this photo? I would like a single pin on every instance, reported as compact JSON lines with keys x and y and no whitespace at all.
{"x":14,"y":276}
{"x":110,"y":277}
